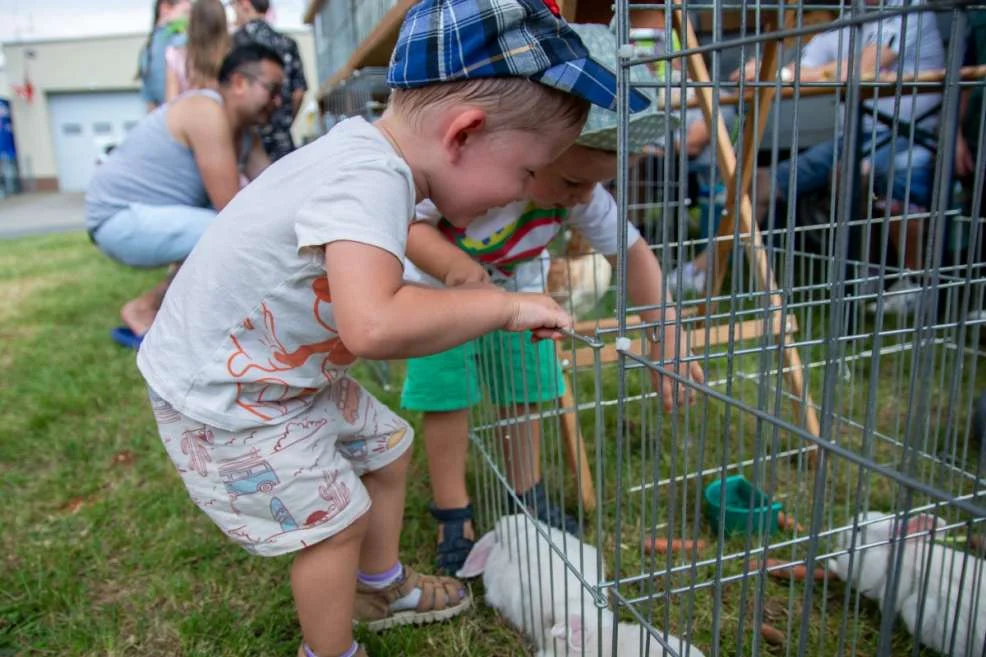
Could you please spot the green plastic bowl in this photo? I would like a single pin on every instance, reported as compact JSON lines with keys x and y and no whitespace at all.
{"x":746,"y":510}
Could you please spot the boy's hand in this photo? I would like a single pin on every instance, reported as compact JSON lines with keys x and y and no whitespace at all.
{"x":675,"y":393}
{"x":538,"y":313}
{"x":465,"y":271}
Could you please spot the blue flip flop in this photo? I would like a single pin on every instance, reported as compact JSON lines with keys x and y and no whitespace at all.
{"x":124,"y":337}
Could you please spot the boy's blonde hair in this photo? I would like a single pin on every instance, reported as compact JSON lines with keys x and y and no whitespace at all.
{"x":510,"y":103}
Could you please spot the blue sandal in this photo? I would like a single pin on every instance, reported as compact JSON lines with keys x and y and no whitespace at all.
{"x":454,"y":546}
{"x":536,"y":501}
{"x":125,"y":337}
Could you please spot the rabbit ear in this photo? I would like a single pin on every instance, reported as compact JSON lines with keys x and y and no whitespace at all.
{"x":476,"y":561}
{"x":922,"y":522}
{"x":573,"y":632}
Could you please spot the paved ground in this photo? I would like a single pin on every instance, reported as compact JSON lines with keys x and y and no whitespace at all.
{"x":41,"y":212}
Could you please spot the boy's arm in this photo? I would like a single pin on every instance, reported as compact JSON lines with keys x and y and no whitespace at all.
{"x":437,"y":257}
{"x":645,"y":286}
{"x":379,"y":317}
{"x":597,"y":221}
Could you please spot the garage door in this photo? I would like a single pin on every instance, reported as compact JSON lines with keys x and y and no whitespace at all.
{"x":82,"y":125}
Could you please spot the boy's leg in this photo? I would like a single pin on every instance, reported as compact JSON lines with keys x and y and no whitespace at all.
{"x":521,"y":375}
{"x":521,"y":445}
{"x":387,"y":488}
{"x":443,"y":387}
{"x":284,"y":489}
{"x":446,"y":437}
{"x":323,"y":582}
{"x":389,"y":593}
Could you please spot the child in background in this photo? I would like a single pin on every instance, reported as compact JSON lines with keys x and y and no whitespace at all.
{"x":508,"y":243}
{"x":301,"y":274}
{"x":194,"y":63}
{"x":168,"y":28}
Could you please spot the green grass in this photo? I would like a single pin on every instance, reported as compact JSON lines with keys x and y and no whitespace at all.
{"x":104,"y":554}
{"x":102,"y":551}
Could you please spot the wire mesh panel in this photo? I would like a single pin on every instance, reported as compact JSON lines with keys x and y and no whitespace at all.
{"x":822,"y":494}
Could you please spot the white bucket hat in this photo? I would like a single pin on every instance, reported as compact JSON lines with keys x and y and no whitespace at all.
{"x":647,"y":126}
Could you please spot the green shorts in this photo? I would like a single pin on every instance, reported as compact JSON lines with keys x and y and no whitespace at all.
{"x":509,"y":365}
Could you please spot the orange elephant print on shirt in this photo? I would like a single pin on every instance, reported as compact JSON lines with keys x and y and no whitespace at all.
{"x":261,"y":388}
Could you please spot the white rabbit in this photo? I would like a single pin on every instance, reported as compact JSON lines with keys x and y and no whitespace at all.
{"x":527,"y":581}
{"x":572,"y":639}
{"x":949,"y":585}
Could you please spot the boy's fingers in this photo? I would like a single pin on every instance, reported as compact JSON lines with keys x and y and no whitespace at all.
{"x":545,"y":334}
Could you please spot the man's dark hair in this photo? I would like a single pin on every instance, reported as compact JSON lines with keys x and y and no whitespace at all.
{"x":260,"y":6}
{"x":240,"y":57}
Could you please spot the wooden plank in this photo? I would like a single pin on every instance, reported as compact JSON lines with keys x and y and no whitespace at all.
{"x":576,"y":457}
{"x":584,"y":357}
{"x":375,"y":49}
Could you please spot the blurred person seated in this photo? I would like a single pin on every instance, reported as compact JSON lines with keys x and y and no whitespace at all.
{"x":194,"y":63}
{"x":901,"y":175}
{"x":161,"y":188}
{"x":969,"y":147}
{"x":167,"y":30}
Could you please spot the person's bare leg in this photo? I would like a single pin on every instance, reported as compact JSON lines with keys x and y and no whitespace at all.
{"x":386,"y":487}
{"x":906,"y":237}
{"x":521,"y":444}
{"x":138,"y":314}
{"x":323,"y":582}
{"x":446,"y":438}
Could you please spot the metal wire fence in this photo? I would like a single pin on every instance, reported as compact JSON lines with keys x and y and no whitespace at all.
{"x":822,"y":495}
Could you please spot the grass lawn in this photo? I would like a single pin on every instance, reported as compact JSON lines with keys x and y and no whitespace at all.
{"x":104,"y":554}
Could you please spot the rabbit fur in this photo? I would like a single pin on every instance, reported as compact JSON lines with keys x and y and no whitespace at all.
{"x":515,"y":554}
{"x":560,"y":615}
{"x":949,"y":583}
{"x":572,"y":639}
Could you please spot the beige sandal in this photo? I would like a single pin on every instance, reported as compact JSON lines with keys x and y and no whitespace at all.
{"x":441,"y":598}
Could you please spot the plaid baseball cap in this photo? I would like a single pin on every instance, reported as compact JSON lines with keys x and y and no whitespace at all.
{"x":454,"y":40}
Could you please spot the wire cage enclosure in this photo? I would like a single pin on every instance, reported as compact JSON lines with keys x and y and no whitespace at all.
{"x":822,"y":494}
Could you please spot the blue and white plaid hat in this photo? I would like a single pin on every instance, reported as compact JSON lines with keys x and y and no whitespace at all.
{"x":454,"y":40}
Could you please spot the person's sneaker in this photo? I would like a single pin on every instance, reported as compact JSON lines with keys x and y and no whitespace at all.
{"x":692,"y":279}
{"x":412,"y":599}
{"x":901,"y":298}
{"x":537,"y":503}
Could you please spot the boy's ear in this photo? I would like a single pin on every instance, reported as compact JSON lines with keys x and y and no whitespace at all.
{"x":461,"y":129}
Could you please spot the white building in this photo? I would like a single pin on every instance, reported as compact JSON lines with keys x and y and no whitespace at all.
{"x":85,"y":96}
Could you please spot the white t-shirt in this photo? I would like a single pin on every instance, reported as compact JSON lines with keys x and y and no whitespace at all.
{"x":246,"y":335}
{"x":511,"y":242}
{"x":915,"y":40}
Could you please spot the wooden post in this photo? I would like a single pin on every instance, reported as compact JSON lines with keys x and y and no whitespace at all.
{"x":753,"y":242}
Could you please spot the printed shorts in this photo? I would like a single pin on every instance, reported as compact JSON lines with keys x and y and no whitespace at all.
{"x":278,"y":489}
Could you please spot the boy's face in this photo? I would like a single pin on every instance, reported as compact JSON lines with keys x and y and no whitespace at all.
{"x":487,"y":170}
{"x":569,"y":180}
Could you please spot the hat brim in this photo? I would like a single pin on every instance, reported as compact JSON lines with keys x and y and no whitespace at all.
{"x":644,"y":130}
{"x":590,"y":80}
